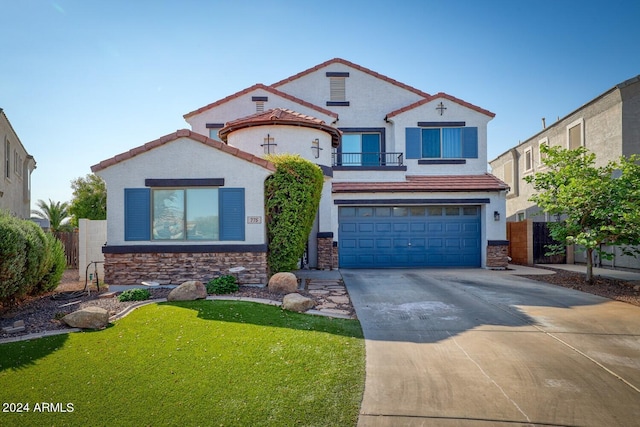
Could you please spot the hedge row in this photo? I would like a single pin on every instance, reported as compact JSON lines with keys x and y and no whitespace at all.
{"x":31,"y":261}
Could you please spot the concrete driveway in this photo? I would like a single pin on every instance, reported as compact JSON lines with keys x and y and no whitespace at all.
{"x":483,"y":348}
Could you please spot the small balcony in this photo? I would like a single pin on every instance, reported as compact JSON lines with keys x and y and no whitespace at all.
{"x":367,"y":160}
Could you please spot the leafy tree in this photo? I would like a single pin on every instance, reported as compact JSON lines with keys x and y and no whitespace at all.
{"x":55,"y":212}
{"x":596,"y":206}
{"x":89,"y":199}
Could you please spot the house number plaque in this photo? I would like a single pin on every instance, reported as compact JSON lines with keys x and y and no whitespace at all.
{"x":254,"y":220}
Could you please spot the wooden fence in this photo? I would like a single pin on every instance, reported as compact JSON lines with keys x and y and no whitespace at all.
{"x":71,"y":247}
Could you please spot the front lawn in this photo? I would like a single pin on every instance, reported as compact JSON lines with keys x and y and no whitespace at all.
{"x":218,"y":363}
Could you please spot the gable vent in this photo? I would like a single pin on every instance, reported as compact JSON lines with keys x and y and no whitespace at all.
{"x":337,"y":89}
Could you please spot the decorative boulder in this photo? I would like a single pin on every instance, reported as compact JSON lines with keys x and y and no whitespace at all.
{"x":296,"y":302}
{"x":188,"y":291}
{"x":283,"y":283}
{"x":88,"y":318}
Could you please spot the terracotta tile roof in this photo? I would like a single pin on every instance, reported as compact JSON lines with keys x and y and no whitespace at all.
{"x":268,"y":89}
{"x":352,"y":65}
{"x":183,"y":133}
{"x":437,"y":96}
{"x":280,"y":116}
{"x":433,"y":183}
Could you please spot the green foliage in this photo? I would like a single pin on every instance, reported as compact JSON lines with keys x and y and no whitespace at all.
{"x":55,"y":212}
{"x":58,"y":263}
{"x":31,"y":261}
{"x":134,"y":295}
{"x":596,"y":205}
{"x":292,"y":198}
{"x":89,"y":199}
{"x":222,"y":285}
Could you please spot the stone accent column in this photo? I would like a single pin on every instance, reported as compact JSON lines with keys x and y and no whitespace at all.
{"x":326,"y":251}
{"x":497,"y":254}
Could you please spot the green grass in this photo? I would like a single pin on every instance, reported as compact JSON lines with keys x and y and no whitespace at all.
{"x":217,"y":363}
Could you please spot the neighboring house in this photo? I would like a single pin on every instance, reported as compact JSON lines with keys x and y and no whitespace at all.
{"x":405,"y":181}
{"x":608,"y":126}
{"x":17,"y":165}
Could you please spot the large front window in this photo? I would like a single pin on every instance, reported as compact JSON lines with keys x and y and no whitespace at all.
{"x":185,"y":214}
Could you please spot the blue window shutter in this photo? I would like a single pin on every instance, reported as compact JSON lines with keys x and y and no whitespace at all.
{"x":137,"y":214}
{"x":412,"y":143}
{"x":470,"y":143}
{"x":231,"y":213}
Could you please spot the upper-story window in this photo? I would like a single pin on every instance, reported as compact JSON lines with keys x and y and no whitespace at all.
{"x":528,"y":159}
{"x":361,"y":149}
{"x":442,"y":143}
{"x":337,"y":89}
{"x":213,"y":129}
{"x":575,"y":135}
{"x":7,"y":160}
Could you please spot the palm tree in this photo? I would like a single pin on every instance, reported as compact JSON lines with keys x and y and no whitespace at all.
{"x":55,"y":212}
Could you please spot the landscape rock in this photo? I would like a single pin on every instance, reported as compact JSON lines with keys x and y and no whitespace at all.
{"x":188,"y":291}
{"x":297,"y":302}
{"x":283,"y":283}
{"x":88,"y":318}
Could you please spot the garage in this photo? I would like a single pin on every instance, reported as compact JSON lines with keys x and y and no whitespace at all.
{"x":409,"y":236}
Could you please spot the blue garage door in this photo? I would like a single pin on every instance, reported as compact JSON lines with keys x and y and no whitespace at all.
{"x":409,"y":236}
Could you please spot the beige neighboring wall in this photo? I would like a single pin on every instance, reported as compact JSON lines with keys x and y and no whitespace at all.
{"x":17,"y":165}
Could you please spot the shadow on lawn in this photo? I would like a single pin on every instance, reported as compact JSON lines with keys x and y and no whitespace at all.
{"x":267,"y":315}
{"x":23,"y":354}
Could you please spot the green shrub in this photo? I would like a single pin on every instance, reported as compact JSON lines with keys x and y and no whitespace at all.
{"x":56,"y":266}
{"x":12,"y":258}
{"x":222,"y":285}
{"x":292,"y":196}
{"x":134,"y":295}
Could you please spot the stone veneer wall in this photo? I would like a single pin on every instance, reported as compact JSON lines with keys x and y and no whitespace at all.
{"x":327,"y":252}
{"x":176,"y":268}
{"x":498,"y":254}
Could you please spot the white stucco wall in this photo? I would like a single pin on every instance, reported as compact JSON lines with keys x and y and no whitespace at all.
{"x":290,"y":139}
{"x":243,"y":106}
{"x":92,"y":236}
{"x":370,"y":98}
{"x":181,"y":159}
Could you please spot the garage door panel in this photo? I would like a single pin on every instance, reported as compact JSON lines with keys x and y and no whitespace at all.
{"x":417,"y":236}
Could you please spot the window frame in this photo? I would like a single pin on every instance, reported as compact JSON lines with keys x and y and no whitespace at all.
{"x":528,"y":155}
{"x":185,"y":214}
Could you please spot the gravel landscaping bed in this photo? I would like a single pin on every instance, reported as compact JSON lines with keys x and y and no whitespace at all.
{"x":614,"y":289}
{"x":43,"y":313}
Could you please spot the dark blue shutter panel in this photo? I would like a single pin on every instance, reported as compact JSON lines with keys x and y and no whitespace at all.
{"x":137,"y":214}
{"x":412,"y":142}
{"x":470,"y":143}
{"x":231,"y":202}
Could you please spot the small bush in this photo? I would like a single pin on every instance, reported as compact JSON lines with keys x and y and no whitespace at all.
{"x":134,"y":295}
{"x":56,"y":265}
{"x":222,"y":285}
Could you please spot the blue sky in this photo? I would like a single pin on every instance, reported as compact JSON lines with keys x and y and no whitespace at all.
{"x":83,"y":80}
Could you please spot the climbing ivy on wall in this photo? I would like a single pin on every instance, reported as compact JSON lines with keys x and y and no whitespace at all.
{"x":292,"y":197}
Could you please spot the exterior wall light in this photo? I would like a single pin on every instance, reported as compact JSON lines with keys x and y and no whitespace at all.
{"x":496,"y":216}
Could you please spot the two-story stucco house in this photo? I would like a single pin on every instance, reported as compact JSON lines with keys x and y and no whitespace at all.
{"x":608,"y":125}
{"x":17,"y":166}
{"x":406,"y":182}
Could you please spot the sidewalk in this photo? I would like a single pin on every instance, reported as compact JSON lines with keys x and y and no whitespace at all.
{"x":628,"y":276}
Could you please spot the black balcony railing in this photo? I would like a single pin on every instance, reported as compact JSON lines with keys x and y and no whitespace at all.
{"x":367,"y":159}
